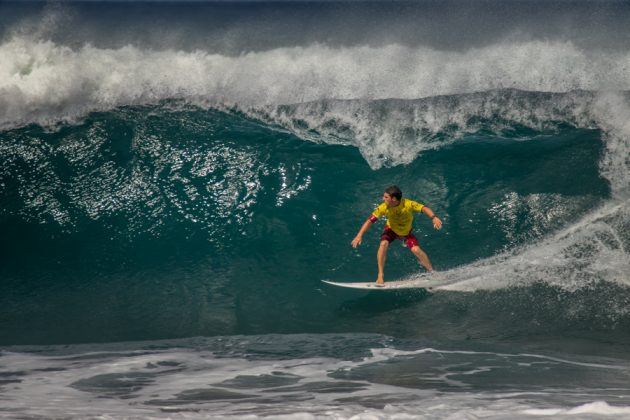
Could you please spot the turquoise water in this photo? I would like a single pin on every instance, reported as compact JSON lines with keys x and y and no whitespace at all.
{"x":200,"y":222}
{"x":176,"y":179}
{"x":165,"y":222}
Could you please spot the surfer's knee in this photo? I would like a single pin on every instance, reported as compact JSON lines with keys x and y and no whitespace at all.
{"x":384,"y":244}
{"x":417,"y":250}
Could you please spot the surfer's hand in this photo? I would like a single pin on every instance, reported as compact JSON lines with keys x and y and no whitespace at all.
{"x":437,"y":223}
{"x":356,"y":241}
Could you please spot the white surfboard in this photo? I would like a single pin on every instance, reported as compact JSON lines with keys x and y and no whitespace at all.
{"x":428,"y":283}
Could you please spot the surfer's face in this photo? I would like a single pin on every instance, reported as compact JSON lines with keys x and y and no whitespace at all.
{"x":390,"y":201}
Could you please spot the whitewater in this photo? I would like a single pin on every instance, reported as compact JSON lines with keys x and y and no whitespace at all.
{"x":176,"y":179}
{"x":44,"y":81}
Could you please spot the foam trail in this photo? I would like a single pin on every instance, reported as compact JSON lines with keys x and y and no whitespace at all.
{"x":593,"y":250}
{"x":43,"y":82}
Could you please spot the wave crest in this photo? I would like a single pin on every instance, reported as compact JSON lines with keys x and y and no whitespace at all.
{"x":43,"y":82}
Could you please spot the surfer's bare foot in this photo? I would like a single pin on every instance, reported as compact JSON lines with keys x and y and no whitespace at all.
{"x":380,"y":281}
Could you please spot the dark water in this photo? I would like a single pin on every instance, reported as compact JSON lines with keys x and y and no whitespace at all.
{"x":176,"y":179}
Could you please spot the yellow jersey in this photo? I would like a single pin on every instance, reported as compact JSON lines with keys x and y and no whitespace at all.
{"x":399,"y":218}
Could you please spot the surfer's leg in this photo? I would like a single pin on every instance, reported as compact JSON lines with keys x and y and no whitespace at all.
{"x":381,"y":258}
{"x":387,"y":237}
{"x":422,"y":257}
{"x":412,"y":243}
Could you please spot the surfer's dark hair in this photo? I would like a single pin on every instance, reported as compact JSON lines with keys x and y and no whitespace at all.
{"x":394,"y":192}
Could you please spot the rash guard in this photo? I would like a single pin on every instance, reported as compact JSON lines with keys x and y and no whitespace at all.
{"x":399,"y":218}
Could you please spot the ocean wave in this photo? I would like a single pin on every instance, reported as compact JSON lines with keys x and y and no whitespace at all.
{"x":338,"y":94}
{"x":218,"y":185}
{"x":43,"y":81}
{"x":142,"y":171}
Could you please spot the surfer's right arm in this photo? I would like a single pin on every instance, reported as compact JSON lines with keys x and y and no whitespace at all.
{"x":357,"y":239}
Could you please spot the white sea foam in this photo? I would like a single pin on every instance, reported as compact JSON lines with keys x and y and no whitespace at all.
{"x":166,"y":381}
{"x":41,"y":81}
{"x":590,"y":251}
{"x":600,"y":408}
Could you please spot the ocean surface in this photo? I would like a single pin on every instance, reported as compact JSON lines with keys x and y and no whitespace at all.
{"x":176,"y":179}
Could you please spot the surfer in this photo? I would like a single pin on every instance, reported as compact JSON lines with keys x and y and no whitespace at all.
{"x":399,"y":212}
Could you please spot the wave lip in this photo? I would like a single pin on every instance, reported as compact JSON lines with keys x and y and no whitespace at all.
{"x":395,"y":131}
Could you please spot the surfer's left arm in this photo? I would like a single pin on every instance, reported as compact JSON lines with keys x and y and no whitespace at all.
{"x":437,"y":223}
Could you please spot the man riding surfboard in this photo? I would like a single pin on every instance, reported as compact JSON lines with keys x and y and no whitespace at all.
{"x":399,"y":213}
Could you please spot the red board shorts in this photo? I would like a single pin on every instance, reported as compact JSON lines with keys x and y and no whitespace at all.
{"x":389,"y":235}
